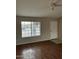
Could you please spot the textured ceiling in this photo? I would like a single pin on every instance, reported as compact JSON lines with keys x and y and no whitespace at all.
{"x":36,"y":8}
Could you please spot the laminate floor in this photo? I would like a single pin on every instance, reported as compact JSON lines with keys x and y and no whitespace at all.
{"x":39,"y":50}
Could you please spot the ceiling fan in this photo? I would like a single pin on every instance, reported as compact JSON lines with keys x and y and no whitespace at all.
{"x":55,"y":3}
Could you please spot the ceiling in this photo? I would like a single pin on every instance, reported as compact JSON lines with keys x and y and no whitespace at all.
{"x":37,"y":8}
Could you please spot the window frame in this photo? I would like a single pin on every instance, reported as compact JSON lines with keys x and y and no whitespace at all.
{"x":31,"y":30}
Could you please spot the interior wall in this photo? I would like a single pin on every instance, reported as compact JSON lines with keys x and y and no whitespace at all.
{"x":45,"y":30}
{"x":59,"y":31}
{"x":53,"y":28}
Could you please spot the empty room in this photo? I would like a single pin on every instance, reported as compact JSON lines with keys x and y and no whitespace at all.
{"x":38,"y":29}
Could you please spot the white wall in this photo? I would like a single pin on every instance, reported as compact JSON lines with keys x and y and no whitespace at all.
{"x":48,"y":30}
{"x":45,"y":30}
{"x":53,"y":28}
{"x":59,"y":30}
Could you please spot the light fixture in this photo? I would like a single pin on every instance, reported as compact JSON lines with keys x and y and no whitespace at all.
{"x":55,"y":3}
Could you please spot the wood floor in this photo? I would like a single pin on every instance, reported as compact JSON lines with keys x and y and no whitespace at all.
{"x":40,"y":50}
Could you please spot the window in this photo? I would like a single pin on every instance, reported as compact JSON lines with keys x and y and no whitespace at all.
{"x":30,"y":29}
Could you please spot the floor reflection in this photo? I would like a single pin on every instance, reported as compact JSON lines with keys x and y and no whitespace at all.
{"x":31,"y":53}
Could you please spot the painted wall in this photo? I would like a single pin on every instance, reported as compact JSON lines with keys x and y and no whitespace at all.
{"x":53,"y":28}
{"x":59,"y":30}
{"x":45,"y":30}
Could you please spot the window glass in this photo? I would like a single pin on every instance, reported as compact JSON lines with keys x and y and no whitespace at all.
{"x":30,"y":29}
